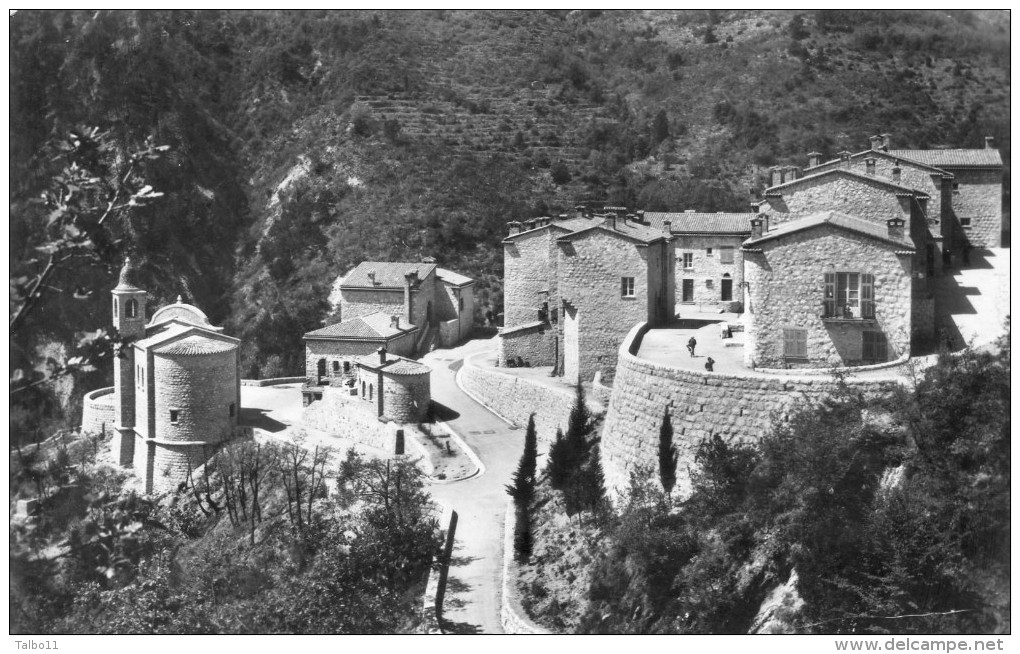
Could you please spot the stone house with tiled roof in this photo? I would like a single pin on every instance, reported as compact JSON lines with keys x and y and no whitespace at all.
{"x":828,"y":289}
{"x":709,"y":263}
{"x":574,"y":287}
{"x":398,"y":387}
{"x":176,"y":387}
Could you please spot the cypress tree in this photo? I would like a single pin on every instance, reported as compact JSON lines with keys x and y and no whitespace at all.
{"x":523,"y":539}
{"x":667,"y":454}
{"x":558,"y":468}
{"x":523,"y":487}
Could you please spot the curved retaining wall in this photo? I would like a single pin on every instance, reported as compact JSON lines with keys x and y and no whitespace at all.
{"x":274,"y":381}
{"x":348,"y":416}
{"x":516,"y":398}
{"x":98,"y":411}
{"x":701,"y":404}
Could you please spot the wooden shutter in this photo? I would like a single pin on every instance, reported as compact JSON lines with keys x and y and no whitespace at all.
{"x":867,"y":295}
{"x":726,"y":254}
{"x":830,"y":294}
{"x":874,"y":347}
{"x":795,"y":343}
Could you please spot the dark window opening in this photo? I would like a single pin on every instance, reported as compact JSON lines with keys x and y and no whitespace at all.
{"x":131,"y":309}
{"x":232,"y":410}
{"x":174,"y":415}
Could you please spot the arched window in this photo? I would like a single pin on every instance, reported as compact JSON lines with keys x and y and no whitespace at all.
{"x":370,"y":391}
{"x":347,"y":366}
{"x":131,"y":308}
{"x":336,"y":367}
{"x":116,"y":306}
{"x":362,"y":389}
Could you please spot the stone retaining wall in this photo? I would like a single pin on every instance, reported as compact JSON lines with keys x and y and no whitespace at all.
{"x":346,"y":416}
{"x":275,"y":381}
{"x":515,"y":398}
{"x":701,"y":404}
{"x":511,"y":614}
{"x":98,"y":411}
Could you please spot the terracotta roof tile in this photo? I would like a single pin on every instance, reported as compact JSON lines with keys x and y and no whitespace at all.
{"x":195,"y":345}
{"x":374,"y":326}
{"x":388,"y":274}
{"x":837,"y":219}
{"x":702,"y":223}
{"x":954,"y":157}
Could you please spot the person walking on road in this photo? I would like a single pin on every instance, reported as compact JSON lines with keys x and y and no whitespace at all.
{"x":691,"y":344}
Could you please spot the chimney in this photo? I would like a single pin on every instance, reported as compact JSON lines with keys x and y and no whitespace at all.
{"x":580,"y":210}
{"x":844,"y":157}
{"x":989,"y":142}
{"x":869,"y":165}
{"x":756,"y":227}
{"x":886,"y":142}
{"x":896,"y":172}
{"x":371,"y":277}
{"x":813,"y":159}
{"x":876,"y":142}
{"x":690,"y":211}
{"x":641,"y":216}
{"x":382,"y":355}
{"x":395,"y":322}
{"x":895,"y":228}
{"x":777,"y":175}
{"x":667,"y":226}
{"x":610,"y":220}
{"x":410,"y":281}
{"x":515,"y":227}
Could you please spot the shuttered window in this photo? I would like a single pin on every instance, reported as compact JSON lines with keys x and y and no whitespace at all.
{"x":849,"y":295}
{"x":874,"y":347}
{"x":726,"y":254}
{"x":795,"y":343}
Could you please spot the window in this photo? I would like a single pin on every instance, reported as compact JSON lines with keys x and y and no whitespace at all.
{"x":708,"y":252}
{"x":627,"y":286}
{"x":956,"y":188}
{"x":849,"y":295}
{"x":874,"y":348}
{"x":174,"y":415}
{"x":726,"y":254}
{"x":795,"y":343}
{"x":347,"y":366}
{"x":116,"y":306}
{"x":131,"y":308}
{"x":688,"y":258}
{"x":964,"y":221}
{"x":336,"y":367}
{"x":232,"y":410}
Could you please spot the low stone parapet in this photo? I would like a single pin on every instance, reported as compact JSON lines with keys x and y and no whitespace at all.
{"x":98,"y":411}
{"x":275,"y":381}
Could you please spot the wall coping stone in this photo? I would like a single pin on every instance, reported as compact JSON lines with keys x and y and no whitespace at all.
{"x":274,"y":381}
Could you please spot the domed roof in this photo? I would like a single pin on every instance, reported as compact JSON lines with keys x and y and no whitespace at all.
{"x":128,"y":277}
{"x":196,"y":345}
{"x":181,"y":311}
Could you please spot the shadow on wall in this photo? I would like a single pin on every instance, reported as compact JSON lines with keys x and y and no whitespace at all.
{"x":258,"y":418}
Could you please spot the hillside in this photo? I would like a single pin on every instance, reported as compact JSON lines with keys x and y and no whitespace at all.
{"x":304,"y":142}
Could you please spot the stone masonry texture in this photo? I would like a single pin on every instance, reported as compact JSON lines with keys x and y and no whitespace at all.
{"x":98,"y":412}
{"x":851,"y":195}
{"x":596,"y":314}
{"x":701,"y":404}
{"x":979,"y":197}
{"x":529,"y":277}
{"x":534,"y":345}
{"x":340,"y":352}
{"x":708,"y":270}
{"x":786,"y":291}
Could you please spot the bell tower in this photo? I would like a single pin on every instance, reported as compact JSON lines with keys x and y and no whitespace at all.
{"x":129,"y":319}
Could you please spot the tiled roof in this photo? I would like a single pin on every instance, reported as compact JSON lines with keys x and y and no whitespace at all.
{"x":837,"y":219}
{"x":451,"y":277}
{"x":702,"y":223}
{"x":849,"y":173}
{"x":568,"y":224}
{"x":196,"y":345}
{"x":954,"y":157}
{"x":627,"y":228}
{"x":373,"y":326}
{"x":388,"y":274}
{"x":828,"y":165}
{"x":396,"y":365}
{"x":171,"y":330}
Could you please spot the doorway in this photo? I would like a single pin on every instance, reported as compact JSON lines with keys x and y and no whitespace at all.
{"x":687,"y":290}
{"x":727,"y":289}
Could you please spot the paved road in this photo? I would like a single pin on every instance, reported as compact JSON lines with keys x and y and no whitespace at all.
{"x":472,"y":596}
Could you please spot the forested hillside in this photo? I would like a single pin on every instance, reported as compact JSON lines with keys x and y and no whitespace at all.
{"x":303,"y":142}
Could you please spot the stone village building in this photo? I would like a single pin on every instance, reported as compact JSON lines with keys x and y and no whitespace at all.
{"x":176,"y":387}
{"x":574,"y":286}
{"x":402,"y":308}
{"x":831,"y":267}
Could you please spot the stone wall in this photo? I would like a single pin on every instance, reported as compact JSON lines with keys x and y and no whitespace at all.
{"x":172,"y":463}
{"x":515,"y":398}
{"x":922,"y":316}
{"x":701,"y":404}
{"x":341,"y":352}
{"x":535,"y":344}
{"x":449,"y":332}
{"x":201,"y":388}
{"x":340,"y":413}
{"x":98,"y":411}
{"x":354,"y":303}
{"x":979,"y":197}
{"x":596,"y":314}
{"x":912,"y":176}
{"x":708,"y":270}
{"x":858,"y":197}
{"x":529,"y":275}
{"x":786,"y":291}
{"x":406,"y":398}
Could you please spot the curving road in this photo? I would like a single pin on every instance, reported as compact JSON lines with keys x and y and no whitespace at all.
{"x":473,"y":588}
